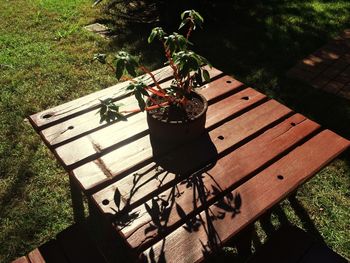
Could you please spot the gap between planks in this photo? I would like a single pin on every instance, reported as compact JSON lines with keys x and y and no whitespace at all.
{"x":258,"y":195}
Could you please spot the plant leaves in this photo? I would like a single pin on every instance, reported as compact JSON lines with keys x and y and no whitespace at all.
{"x":130,"y":69}
{"x":183,"y":23}
{"x":206,"y":75}
{"x":119,"y":68}
{"x":140,"y":100}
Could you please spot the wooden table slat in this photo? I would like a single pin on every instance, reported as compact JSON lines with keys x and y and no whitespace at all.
{"x":111,"y":135}
{"x":90,"y":102}
{"x":140,"y":150}
{"x":233,"y":132}
{"x":84,"y":124}
{"x":229,"y":171}
{"x":23,"y":259}
{"x":164,"y":200}
{"x":86,"y":103}
{"x":257,"y":195}
{"x":35,"y":256}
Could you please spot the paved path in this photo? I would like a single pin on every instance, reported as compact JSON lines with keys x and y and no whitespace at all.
{"x":328,"y":68}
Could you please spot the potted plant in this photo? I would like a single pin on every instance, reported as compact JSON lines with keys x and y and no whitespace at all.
{"x":175,"y":113}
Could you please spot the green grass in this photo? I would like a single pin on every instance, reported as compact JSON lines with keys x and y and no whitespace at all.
{"x":45,"y":60}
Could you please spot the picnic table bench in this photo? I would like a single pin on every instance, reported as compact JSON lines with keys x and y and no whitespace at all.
{"x":183,"y":203}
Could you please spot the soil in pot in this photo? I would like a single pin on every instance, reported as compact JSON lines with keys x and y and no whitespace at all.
{"x":176,"y":124}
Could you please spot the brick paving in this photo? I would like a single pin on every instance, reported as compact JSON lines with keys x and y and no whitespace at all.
{"x":328,"y":68}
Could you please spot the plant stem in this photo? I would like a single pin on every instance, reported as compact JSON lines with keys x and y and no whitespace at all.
{"x":144,"y":69}
{"x":172,"y":65}
{"x":153,"y":107}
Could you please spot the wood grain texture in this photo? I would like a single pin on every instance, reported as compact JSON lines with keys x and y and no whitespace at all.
{"x":233,"y":132}
{"x":227,"y":135}
{"x":21,"y":260}
{"x":103,"y":167}
{"x":36,"y":257}
{"x":86,"y":103}
{"x":229,"y":171}
{"x":108,"y":137}
{"x":91,"y":102}
{"x":257,"y":195}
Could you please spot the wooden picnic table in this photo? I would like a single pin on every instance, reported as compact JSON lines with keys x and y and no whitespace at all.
{"x":182,"y":203}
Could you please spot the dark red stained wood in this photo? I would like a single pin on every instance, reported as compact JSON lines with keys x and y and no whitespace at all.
{"x":85,"y":124}
{"x":35,"y":256}
{"x":21,"y":260}
{"x":109,"y":165}
{"x":226,"y":84}
{"x":232,"y":105}
{"x":91,"y":102}
{"x":228,"y":171}
{"x":111,"y":135}
{"x":257,"y":196}
{"x":109,"y":139}
{"x":198,"y":153}
{"x":86,"y":103}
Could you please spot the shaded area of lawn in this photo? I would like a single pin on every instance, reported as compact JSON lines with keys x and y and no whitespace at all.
{"x":45,"y":60}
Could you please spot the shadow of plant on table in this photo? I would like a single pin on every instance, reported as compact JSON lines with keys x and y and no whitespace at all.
{"x":172,"y":194}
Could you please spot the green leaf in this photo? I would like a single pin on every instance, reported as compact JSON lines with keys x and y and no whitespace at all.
{"x":183,"y":23}
{"x":198,"y":77}
{"x":144,"y":92}
{"x":140,"y":100}
{"x":130,"y":69}
{"x":156,"y":32}
{"x":119,"y":68}
{"x":110,"y":111}
{"x":151,"y":37}
{"x":102,"y":118}
{"x":183,"y":14}
{"x":206,"y":75}
{"x":100,"y":58}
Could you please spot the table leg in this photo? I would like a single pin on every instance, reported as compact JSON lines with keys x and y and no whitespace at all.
{"x":77,"y":201}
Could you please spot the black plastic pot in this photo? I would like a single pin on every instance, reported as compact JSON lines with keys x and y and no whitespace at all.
{"x":178,"y":131}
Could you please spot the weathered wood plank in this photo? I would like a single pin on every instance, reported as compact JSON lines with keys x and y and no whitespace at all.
{"x":111,"y":135}
{"x":228,"y":171}
{"x":139,"y":150}
{"x":220,"y":139}
{"x":89,"y":122}
{"x":21,"y":260}
{"x":91,"y":102}
{"x":36,"y":257}
{"x":85,"y":124}
{"x":86,"y":103}
{"x":257,"y":195}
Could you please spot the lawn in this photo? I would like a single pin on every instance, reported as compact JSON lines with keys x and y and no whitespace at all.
{"x":45,"y":60}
